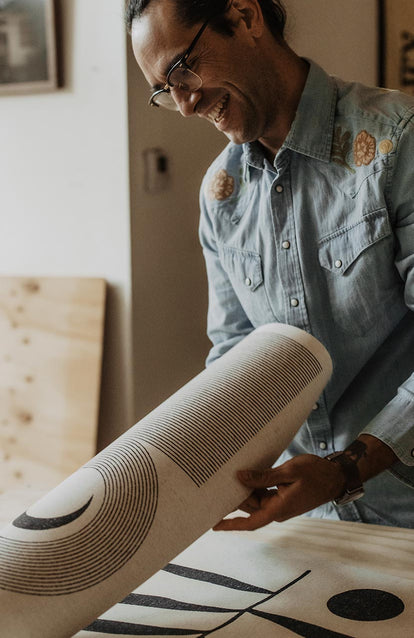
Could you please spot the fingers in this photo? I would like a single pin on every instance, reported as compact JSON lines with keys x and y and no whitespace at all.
{"x":262,"y":506}
{"x":257,"y":519}
{"x":256,"y":500}
{"x":262,"y":478}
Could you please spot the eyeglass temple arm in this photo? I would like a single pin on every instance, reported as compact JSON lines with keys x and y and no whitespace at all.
{"x":194,"y":42}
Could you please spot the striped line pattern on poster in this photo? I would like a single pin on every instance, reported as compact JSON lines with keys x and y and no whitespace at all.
{"x":89,"y":556}
{"x":212,"y":421}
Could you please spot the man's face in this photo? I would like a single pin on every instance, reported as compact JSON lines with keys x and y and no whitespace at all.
{"x":233,"y":95}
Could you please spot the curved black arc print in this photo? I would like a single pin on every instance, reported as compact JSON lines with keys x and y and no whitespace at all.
{"x":25,"y":521}
{"x":127,"y":479}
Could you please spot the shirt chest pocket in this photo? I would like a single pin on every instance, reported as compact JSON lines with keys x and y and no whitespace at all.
{"x":362,"y":283}
{"x":244,"y":269}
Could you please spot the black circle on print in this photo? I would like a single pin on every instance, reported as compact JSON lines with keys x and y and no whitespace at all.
{"x":366,"y":605}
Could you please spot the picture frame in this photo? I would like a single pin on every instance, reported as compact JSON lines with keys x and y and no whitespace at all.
{"x":28,"y":57}
{"x":396,"y":44}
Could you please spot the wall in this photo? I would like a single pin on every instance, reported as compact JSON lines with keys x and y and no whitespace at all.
{"x":67,"y":208}
{"x":169,"y":286}
{"x":341,"y":36}
{"x":64,"y":182}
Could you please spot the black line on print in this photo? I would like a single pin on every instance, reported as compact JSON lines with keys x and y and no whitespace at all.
{"x":115,"y":627}
{"x":249,"y":609}
{"x":25,"y":521}
{"x":214,"y":420}
{"x":361,"y":604}
{"x":161,"y":602}
{"x":212,"y":577}
{"x":104,"y":545}
{"x":301,"y":628}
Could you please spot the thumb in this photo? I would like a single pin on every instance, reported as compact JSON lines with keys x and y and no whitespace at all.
{"x":259,"y":478}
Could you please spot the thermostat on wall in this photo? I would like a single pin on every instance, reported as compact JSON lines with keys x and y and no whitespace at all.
{"x":156,"y":170}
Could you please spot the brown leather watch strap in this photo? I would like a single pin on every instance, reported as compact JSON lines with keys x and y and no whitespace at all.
{"x":354,"y":488}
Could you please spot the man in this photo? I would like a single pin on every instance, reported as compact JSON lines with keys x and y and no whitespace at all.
{"x":307,"y":218}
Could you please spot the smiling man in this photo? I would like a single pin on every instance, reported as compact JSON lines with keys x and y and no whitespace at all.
{"x":307,"y":218}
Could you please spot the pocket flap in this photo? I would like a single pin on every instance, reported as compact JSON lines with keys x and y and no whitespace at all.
{"x":340,"y":249}
{"x":244,"y":265}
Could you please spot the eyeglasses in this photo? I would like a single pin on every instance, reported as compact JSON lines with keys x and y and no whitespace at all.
{"x":179,"y":76}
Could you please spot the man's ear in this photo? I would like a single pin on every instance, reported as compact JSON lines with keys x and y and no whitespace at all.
{"x":250,"y":12}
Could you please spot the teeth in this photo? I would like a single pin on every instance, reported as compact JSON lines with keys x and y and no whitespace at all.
{"x":215,"y":113}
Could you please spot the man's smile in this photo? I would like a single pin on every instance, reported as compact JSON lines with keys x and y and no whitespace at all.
{"x":216,"y":113}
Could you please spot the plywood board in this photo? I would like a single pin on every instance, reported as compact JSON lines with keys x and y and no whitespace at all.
{"x":51,"y":332}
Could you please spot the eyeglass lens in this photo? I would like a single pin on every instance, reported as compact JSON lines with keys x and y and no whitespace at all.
{"x":181,"y":78}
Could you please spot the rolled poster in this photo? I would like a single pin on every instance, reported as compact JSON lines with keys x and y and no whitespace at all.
{"x":156,"y":489}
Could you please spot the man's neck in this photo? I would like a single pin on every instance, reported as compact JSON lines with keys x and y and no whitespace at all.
{"x":298,"y":70}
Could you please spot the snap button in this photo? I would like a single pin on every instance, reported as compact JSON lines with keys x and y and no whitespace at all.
{"x":248,"y":281}
{"x":294,"y":302}
{"x":322,"y":445}
{"x":279,"y":188}
{"x":286,"y":244}
{"x":338,"y":263}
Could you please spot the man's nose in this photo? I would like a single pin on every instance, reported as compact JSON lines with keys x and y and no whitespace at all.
{"x":186,"y":100}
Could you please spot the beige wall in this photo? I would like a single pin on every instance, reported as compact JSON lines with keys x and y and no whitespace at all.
{"x":66,"y":163}
{"x":169,"y":287}
{"x":339,"y":34}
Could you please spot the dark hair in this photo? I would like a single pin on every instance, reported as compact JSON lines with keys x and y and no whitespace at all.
{"x":194,"y":11}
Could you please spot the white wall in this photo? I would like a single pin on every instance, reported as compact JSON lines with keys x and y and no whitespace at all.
{"x":64,"y":181}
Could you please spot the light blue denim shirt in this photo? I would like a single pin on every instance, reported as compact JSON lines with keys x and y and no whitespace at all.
{"x":323,"y":239}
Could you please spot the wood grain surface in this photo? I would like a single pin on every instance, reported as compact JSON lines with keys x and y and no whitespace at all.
{"x":51,"y":333}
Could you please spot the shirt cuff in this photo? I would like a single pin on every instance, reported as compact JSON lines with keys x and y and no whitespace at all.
{"x":394,"y":426}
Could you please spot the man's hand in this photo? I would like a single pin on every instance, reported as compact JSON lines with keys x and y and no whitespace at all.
{"x":299,"y":485}
{"x":303,"y":483}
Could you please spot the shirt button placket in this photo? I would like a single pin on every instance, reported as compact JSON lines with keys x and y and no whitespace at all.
{"x":291,"y":279}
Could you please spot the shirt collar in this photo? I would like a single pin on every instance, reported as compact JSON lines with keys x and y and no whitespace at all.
{"x":311,"y":132}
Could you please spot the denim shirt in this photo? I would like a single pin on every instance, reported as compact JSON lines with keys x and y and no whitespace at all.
{"x":323,"y":239}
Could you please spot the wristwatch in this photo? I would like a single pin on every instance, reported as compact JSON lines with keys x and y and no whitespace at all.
{"x":354,"y":488}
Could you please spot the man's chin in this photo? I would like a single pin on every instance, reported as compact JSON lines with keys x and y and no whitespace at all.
{"x":236,"y":137}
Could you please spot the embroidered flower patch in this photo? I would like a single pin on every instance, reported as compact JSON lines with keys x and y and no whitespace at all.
{"x":341,"y":147}
{"x":221,"y":186}
{"x":364,"y":148}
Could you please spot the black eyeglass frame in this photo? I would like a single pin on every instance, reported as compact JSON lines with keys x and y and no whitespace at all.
{"x":180,"y":64}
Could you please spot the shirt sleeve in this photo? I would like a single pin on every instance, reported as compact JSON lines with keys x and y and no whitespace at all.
{"x":227,"y":322}
{"x":394,"y":425}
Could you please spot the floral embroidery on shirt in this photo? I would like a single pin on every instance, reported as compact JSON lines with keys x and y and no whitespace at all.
{"x":221,"y":186}
{"x":385,"y":147}
{"x":364,"y":148}
{"x":341,"y":147}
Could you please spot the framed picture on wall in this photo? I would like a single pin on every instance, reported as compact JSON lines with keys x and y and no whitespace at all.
{"x":397,"y":44}
{"x":27,"y":46}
